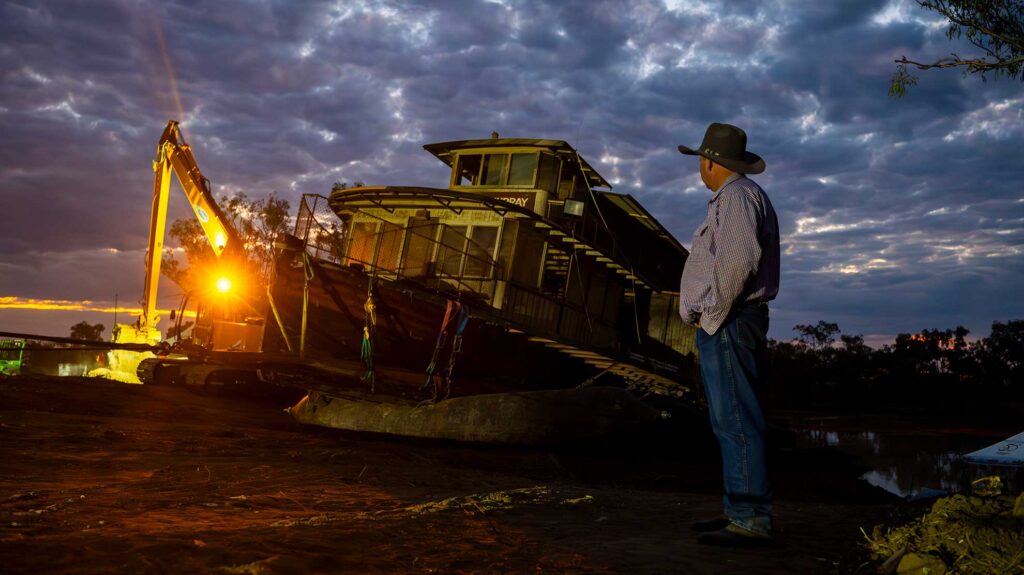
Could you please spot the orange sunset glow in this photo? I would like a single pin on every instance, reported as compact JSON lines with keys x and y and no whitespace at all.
{"x":13,"y":302}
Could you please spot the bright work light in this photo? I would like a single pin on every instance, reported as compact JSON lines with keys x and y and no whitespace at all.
{"x":223,"y":285}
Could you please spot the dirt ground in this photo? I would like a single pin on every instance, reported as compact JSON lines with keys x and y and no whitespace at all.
{"x":98,"y":476}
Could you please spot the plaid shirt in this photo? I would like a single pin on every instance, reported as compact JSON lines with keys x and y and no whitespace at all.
{"x":734,"y":258}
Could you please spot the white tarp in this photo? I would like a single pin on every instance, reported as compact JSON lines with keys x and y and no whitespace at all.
{"x":1008,"y":452}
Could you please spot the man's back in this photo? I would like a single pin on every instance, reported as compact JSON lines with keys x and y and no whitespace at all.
{"x":734,"y":257}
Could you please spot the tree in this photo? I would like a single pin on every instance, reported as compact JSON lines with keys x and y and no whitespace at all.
{"x":345,"y":186}
{"x":1007,"y":341}
{"x":257,"y":222}
{"x":854,"y":365}
{"x":192,"y":240}
{"x":820,"y":336}
{"x":1002,"y":353}
{"x":86,"y":330}
{"x":994,"y":26}
{"x":854,"y":345}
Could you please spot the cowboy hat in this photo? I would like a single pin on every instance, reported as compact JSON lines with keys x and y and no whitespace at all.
{"x":726,"y":145}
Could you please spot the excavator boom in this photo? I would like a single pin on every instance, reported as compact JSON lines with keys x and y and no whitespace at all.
{"x":173,"y":154}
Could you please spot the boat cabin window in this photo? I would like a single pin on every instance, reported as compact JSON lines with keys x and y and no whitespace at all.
{"x":482,"y":241}
{"x":424,"y":248}
{"x":375,"y":244}
{"x":529,"y":256}
{"x":468,"y":169}
{"x":547,"y":171}
{"x":467,"y":251}
{"x":492,"y":169}
{"x":522,"y":169}
{"x":419,"y":246}
{"x":497,"y":169}
{"x":390,"y":246}
{"x":566,"y":187}
{"x":450,"y":250}
{"x":362,"y":240}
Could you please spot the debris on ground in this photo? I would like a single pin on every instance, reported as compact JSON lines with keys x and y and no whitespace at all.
{"x":178,"y":480}
{"x":977,"y":533}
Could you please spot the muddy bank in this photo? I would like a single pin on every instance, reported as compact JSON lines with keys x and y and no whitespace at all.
{"x":99,"y":476}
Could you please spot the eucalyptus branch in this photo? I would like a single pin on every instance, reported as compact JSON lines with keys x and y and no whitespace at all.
{"x":996,"y":27}
{"x":955,"y":61}
{"x":1014,"y":41}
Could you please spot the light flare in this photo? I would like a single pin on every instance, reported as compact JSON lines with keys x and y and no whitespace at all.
{"x":168,"y":67}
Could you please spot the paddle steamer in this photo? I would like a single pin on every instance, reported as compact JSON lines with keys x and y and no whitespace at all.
{"x":525,"y":273}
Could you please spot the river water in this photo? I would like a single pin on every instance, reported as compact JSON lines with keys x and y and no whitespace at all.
{"x":914,"y":463}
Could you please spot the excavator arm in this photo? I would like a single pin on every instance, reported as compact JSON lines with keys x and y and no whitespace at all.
{"x":174,"y":155}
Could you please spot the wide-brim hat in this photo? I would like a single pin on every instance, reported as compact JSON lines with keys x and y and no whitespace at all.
{"x":726,"y":144}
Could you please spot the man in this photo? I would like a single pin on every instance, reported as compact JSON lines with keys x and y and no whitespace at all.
{"x":731,"y":274}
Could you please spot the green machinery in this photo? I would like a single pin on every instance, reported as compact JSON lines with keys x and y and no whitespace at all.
{"x":11,"y":353}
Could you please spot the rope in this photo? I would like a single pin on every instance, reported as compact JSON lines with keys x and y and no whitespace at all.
{"x":636,"y":316}
{"x":366,"y":353}
{"x":590,"y":380}
{"x":307,"y":264}
{"x":456,"y":349}
{"x":437,"y":382}
{"x":441,"y":337}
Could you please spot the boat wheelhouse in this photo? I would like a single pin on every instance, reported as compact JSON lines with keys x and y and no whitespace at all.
{"x":557,"y":279}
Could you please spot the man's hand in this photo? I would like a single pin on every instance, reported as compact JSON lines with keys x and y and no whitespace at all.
{"x":693,"y":318}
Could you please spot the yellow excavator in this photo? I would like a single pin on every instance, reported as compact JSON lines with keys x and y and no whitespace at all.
{"x":221,"y":322}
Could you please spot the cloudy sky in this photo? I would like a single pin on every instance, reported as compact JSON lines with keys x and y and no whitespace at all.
{"x":896,"y":215}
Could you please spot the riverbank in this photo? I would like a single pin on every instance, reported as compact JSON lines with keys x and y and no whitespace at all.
{"x":100,"y":476}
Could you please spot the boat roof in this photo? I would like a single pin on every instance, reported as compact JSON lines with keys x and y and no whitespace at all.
{"x":628,"y":204}
{"x":444,"y":151}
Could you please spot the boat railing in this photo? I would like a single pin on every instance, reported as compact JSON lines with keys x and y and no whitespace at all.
{"x":551,"y":316}
{"x":427,"y":253}
{"x":319,"y":229}
{"x":441,"y":258}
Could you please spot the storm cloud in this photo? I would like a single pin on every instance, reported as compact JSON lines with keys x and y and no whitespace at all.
{"x":896,"y":215}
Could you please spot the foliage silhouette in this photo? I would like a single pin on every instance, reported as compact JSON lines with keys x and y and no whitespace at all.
{"x":88,"y":331}
{"x":824,"y":369}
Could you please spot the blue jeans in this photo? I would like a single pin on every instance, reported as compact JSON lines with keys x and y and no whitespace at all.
{"x":730,"y":365}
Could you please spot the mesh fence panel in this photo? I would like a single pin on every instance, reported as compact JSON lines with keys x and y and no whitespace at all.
{"x":319,"y":228}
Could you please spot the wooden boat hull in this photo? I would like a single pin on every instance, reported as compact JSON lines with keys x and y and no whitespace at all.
{"x":493,"y":358}
{"x":539,"y":417}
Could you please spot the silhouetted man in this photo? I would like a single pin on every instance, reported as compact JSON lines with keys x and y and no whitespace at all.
{"x":729,"y":278}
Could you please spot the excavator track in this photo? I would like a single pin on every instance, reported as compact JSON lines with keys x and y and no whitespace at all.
{"x":163,"y":371}
{"x":158,"y":371}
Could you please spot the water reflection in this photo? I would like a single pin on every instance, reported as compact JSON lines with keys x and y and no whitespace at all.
{"x":913,"y":464}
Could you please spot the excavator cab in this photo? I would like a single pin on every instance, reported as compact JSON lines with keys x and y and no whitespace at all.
{"x":225,"y":319}
{"x":221,"y":323}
